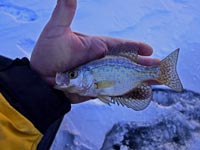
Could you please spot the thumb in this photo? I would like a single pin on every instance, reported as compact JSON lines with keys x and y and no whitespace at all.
{"x":63,"y":13}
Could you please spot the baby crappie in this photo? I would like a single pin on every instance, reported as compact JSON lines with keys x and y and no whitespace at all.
{"x":117,"y":78}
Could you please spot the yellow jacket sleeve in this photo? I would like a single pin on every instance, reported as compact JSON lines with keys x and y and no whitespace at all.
{"x":16,"y":132}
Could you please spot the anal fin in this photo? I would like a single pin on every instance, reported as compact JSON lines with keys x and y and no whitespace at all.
{"x":130,"y":102}
{"x":138,"y":99}
{"x":142,"y":91}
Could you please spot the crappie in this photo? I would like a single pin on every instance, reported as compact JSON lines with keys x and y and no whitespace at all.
{"x":117,"y":78}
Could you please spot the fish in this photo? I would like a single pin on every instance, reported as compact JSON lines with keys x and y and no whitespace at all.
{"x":118,"y":78}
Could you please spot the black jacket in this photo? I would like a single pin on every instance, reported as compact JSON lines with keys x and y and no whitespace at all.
{"x":33,"y":98}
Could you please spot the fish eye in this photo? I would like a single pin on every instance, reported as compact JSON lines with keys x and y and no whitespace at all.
{"x":73,"y":74}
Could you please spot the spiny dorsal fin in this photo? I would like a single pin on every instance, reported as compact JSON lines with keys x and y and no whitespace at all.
{"x":124,"y":50}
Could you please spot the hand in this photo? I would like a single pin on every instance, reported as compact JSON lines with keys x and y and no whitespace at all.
{"x":59,"y":48}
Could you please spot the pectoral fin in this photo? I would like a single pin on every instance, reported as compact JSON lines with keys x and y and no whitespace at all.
{"x":124,"y":50}
{"x":104,"y":99}
{"x":104,"y":84}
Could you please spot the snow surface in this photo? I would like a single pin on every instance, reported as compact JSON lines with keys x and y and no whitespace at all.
{"x":166,"y":25}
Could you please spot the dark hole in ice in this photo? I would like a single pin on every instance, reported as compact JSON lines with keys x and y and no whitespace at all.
{"x":116,"y":147}
{"x":176,"y":139}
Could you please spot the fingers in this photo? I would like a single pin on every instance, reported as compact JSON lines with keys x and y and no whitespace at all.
{"x":50,"y":80}
{"x":152,"y":82}
{"x":147,"y":61}
{"x":63,"y":13}
{"x":142,"y":48}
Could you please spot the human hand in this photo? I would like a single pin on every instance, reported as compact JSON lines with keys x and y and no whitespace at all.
{"x":59,"y":48}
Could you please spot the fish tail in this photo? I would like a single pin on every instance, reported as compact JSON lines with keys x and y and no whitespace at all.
{"x":168,"y":74}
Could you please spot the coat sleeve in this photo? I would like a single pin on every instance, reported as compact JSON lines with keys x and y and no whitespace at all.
{"x":32,"y":97}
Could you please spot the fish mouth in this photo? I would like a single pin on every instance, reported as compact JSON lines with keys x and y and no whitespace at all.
{"x":61,"y":79}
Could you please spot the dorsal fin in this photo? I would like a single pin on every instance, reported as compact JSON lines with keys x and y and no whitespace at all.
{"x":124,"y":50}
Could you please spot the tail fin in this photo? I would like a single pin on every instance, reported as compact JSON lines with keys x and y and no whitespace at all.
{"x":168,"y":74}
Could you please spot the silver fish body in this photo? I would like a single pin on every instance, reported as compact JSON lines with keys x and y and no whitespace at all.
{"x":117,"y":78}
{"x":122,"y":74}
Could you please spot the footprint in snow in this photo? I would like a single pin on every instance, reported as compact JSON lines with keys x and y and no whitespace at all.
{"x":20,"y":14}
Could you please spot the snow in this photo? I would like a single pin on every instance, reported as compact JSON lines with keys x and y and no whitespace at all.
{"x":166,"y":25}
{"x":97,"y":118}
